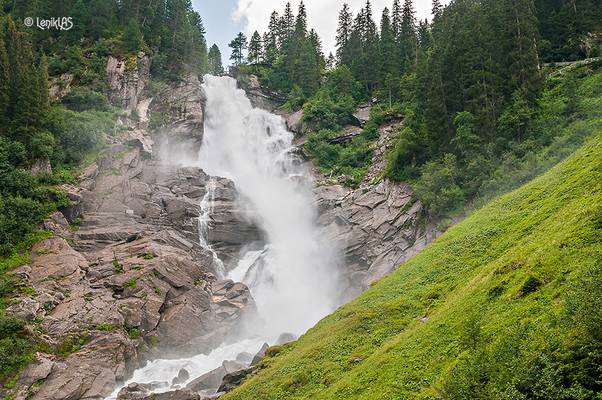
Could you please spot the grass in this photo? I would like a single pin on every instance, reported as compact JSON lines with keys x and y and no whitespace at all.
{"x":485,"y":312}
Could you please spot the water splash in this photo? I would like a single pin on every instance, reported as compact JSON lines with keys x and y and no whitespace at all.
{"x":296,"y":283}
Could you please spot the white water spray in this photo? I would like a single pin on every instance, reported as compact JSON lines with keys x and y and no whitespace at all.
{"x":295,"y":285}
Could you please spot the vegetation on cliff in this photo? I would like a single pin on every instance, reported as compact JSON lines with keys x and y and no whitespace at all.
{"x":505,"y":305}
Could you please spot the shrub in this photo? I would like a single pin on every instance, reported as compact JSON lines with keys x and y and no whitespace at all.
{"x":83,"y":99}
{"x":438,"y":188}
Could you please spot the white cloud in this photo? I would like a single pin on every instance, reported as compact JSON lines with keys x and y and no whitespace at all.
{"x":322,"y":14}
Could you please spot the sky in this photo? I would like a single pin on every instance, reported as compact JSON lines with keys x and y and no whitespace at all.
{"x":225,"y":18}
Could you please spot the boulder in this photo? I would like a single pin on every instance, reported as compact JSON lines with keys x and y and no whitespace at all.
{"x":183,"y":376}
{"x":260,"y":355}
{"x":362,"y":114}
{"x":210,"y":380}
{"x":91,"y":372}
{"x":137,"y":391}
{"x":234,"y":379}
{"x":286,"y":338}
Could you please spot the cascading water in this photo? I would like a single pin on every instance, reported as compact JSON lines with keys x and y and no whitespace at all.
{"x":206,"y":210}
{"x":294,"y":278}
{"x":295,"y":285}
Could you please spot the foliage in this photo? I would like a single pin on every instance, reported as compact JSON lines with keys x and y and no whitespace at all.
{"x":455,"y":321}
{"x":84,"y":99}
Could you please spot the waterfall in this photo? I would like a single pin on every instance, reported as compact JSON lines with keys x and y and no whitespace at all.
{"x":207,"y":205}
{"x":294,"y":278}
{"x":294,"y":285}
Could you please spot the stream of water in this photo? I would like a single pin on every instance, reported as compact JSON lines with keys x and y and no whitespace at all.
{"x":293,"y":279}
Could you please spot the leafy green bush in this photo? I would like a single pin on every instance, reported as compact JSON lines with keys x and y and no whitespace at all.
{"x":438,"y":186}
{"x":78,"y":133}
{"x":83,"y":99}
{"x":15,"y":349}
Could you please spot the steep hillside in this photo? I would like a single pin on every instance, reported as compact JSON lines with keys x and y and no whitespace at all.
{"x":504,"y":305}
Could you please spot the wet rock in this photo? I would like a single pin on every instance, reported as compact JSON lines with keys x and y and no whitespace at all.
{"x":376,"y":227}
{"x":244,"y":358}
{"x":234,"y":379}
{"x":144,"y":143}
{"x":260,"y":354}
{"x":232,"y":366}
{"x":259,"y":96}
{"x":286,"y":338}
{"x":210,"y":380}
{"x":231,"y":299}
{"x":183,"y":376}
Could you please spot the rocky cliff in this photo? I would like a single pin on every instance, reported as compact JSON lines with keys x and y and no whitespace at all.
{"x":124,"y":277}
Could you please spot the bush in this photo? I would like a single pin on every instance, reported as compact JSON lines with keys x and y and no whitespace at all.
{"x":438,"y":188}
{"x":15,"y":349}
{"x":406,"y":156}
{"x":83,"y":99}
{"x":78,"y":133}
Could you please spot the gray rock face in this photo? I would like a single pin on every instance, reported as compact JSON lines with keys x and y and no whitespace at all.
{"x":127,"y":79}
{"x":180,"y":110}
{"x":259,"y":97}
{"x":376,"y":228}
{"x":210,"y":380}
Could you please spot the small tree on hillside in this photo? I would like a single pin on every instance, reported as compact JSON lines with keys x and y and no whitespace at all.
{"x":255,"y":49}
{"x":238,"y":46}
{"x":214,"y":58}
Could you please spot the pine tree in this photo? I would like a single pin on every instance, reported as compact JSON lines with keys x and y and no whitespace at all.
{"x":272,"y":39}
{"x":396,"y":18}
{"x":407,"y":36}
{"x":4,"y":84}
{"x":255,"y":49}
{"x":355,"y":51}
{"x":316,"y":44}
{"x":343,"y":35}
{"x":42,"y":85}
{"x":520,"y":32}
{"x":301,"y":21}
{"x":388,"y":47}
{"x":425,"y":38}
{"x":214,"y":59}
{"x":331,"y":62}
{"x":238,"y":46}
{"x":132,"y":37}
{"x":370,"y":74}
{"x":287,"y":25}
{"x":198,"y":54}
{"x":437,"y":9}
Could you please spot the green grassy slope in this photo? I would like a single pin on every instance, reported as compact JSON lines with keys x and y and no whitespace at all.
{"x":505,"y":305}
